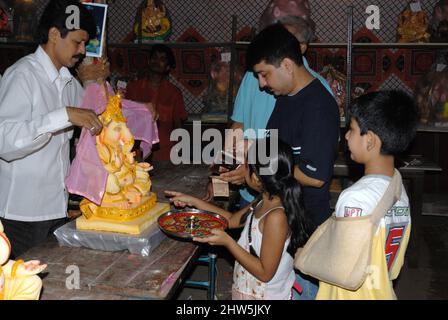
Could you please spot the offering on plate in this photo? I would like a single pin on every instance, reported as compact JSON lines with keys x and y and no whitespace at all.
{"x":189,"y":223}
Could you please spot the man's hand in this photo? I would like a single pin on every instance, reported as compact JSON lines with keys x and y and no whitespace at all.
{"x":152,"y":109}
{"x":94,"y":71}
{"x":85,"y":118}
{"x":209,"y":192}
{"x":237,"y":176}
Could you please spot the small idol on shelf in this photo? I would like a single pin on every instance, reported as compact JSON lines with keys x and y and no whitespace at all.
{"x":438,"y":26}
{"x":337,"y":82}
{"x":156,"y":24}
{"x":413,"y":25}
{"x":432,"y":97}
{"x":24,"y":19}
{"x":215,"y":98}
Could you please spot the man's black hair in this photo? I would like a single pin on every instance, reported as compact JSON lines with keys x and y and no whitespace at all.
{"x":391,"y":114}
{"x":272,"y":45}
{"x":167,"y":51}
{"x":55,"y":15}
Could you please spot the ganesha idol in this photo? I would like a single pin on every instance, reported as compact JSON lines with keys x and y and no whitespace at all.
{"x":116,"y":188}
{"x":18,"y":279}
{"x":127,"y":194}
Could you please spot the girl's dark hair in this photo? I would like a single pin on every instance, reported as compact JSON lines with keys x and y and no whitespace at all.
{"x":55,"y":15}
{"x":277,"y":179}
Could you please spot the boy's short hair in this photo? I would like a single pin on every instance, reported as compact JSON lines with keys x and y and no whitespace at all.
{"x":272,"y":45}
{"x":391,"y":114}
{"x":55,"y":15}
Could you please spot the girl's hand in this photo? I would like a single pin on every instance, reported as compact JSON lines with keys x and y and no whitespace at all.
{"x":218,"y":238}
{"x":182,"y":200}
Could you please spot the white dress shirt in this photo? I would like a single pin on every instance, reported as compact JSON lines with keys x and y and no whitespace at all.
{"x":34,"y":138}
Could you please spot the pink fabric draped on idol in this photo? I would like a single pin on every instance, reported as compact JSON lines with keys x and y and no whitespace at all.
{"x":87,"y":176}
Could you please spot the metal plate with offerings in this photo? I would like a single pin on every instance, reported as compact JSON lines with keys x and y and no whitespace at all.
{"x":189,"y":223}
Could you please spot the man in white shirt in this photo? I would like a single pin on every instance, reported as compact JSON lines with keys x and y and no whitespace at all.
{"x":37,"y":113}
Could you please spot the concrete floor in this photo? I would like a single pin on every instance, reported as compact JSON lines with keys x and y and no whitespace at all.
{"x":424,"y":275}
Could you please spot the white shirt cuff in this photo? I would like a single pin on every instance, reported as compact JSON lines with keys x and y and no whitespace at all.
{"x":57,"y":120}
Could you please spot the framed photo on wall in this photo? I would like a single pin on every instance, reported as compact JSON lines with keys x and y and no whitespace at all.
{"x":99,"y":12}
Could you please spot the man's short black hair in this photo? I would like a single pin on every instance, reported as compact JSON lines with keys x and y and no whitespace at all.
{"x":167,"y":51}
{"x":272,"y":45}
{"x":391,"y":114}
{"x":55,"y":15}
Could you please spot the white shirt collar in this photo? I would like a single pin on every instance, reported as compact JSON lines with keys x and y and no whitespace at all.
{"x":50,"y":69}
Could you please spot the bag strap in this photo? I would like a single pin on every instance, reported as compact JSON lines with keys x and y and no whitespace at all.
{"x":392,"y":195}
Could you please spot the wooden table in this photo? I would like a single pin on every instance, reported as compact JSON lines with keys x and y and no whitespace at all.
{"x":112,"y":275}
{"x":120,"y":275}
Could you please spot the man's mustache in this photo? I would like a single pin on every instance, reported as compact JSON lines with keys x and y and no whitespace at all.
{"x":78,"y":56}
{"x":268,"y":90}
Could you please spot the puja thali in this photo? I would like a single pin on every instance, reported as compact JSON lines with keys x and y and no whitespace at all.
{"x":189,"y":223}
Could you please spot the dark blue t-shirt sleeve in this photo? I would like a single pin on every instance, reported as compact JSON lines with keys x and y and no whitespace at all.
{"x":318,"y":142}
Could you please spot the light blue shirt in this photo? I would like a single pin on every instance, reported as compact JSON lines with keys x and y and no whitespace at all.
{"x":253,"y":108}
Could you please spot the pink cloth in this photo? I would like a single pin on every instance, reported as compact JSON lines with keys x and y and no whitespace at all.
{"x":87,"y":176}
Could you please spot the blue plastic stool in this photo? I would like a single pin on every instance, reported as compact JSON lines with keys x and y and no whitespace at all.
{"x":210,"y":285}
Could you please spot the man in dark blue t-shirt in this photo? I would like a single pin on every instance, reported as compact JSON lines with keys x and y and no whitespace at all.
{"x":305,"y":114}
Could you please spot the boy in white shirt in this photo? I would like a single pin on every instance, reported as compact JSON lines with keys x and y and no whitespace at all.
{"x":382,"y":125}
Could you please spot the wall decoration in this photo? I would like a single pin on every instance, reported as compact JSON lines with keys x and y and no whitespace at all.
{"x":192,"y":71}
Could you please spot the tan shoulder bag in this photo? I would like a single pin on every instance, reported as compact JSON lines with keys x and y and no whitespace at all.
{"x":339,"y":251}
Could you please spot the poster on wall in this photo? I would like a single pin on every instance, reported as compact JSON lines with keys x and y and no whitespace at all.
{"x":99,"y":12}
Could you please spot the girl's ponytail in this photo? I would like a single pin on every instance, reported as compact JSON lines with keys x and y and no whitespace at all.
{"x":281,"y":182}
{"x":291,"y":197}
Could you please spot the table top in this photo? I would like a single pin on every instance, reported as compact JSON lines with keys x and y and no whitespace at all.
{"x":84,"y":274}
{"x":121,"y":275}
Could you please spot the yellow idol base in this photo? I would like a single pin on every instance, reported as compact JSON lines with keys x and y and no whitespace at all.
{"x":135,"y":226}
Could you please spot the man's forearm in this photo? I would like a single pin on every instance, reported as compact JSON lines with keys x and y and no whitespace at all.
{"x":306,"y":181}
